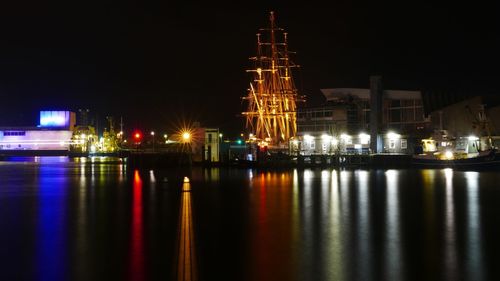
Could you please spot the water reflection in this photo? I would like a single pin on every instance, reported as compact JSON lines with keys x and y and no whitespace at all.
{"x":187,"y":266}
{"x":51,"y":223}
{"x":430,"y":220}
{"x":250,"y":224}
{"x":450,"y":229}
{"x":137,"y":239}
{"x":393,"y":255}
{"x":363,"y":227}
{"x":335,"y":236}
{"x":474,"y":261}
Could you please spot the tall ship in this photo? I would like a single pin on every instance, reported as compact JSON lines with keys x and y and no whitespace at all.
{"x":271,"y":114}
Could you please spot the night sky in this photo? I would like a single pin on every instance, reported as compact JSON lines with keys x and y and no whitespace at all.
{"x":158,"y":64}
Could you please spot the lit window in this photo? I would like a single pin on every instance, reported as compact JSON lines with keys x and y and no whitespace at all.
{"x":392,"y":143}
{"x":404,"y":144}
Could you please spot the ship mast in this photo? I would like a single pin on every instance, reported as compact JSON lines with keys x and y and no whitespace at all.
{"x":272,"y":96}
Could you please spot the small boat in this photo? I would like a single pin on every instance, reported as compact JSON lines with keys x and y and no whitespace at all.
{"x":467,"y":152}
{"x":484,"y":159}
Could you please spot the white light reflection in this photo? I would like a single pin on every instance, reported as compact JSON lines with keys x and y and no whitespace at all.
{"x":336,"y":250}
{"x":152,"y":178}
{"x":363,"y":225}
{"x":473,"y":249}
{"x":92,"y":173}
{"x":307,"y":217}
{"x":121,"y":172}
{"x":450,"y":239}
{"x":82,"y":174}
{"x":345,"y":178}
{"x":393,"y":255}
{"x":295,"y":208}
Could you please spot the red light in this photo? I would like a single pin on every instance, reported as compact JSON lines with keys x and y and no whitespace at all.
{"x":137,"y":135}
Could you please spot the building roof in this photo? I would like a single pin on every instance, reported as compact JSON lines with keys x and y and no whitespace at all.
{"x":33,"y":128}
{"x":342,"y":93}
{"x":434,"y":101}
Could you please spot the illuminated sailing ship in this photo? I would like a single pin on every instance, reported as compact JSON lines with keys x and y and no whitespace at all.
{"x":272,"y":97}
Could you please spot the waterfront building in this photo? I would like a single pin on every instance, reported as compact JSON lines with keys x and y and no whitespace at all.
{"x":362,"y":121}
{"x":53,"y":133}
{"x":205,"y":144}
{"x":467,"y":119}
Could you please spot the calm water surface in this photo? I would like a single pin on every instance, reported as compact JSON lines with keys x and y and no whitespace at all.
{"x":66,"y":219}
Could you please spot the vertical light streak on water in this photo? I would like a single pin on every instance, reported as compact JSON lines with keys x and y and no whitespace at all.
{"x":295,"y":220}
{"x":152,"y":178}
{"x":307,"y":227}
{"x":92,"y":173}
{"x":474,"y":270}
{"x":121,"y":169}
{"x":393,"y":256}
{"x":450,"y":231}
{"x":345,"y":206}
{"x":83,"y":176}
{"x":431,"y":247}
{"x":214,"y":174}
{"x":336,"y":249}
{"x":187,"y":265}
{"x":82,"y":226}
{"x":363,"y":227}
{"x":136,"y":231}
{"x":51,"y":224}
{"x":321,"y":241}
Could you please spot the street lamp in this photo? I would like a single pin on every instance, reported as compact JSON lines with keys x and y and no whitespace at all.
{"x":153,"y":135}
{"x":186,"y":136}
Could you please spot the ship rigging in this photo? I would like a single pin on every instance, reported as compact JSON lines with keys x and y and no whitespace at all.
{"x":272,"y":97}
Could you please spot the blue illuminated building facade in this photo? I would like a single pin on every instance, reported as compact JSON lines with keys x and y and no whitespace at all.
{"x":53,"y":133}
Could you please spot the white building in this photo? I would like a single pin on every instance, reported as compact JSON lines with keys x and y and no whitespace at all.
{"x":53,"y":133}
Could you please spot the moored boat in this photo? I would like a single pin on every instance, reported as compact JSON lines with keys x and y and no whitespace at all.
{"x":483,"y":159}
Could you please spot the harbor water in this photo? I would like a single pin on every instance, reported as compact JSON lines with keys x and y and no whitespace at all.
{"x":97,"y":219}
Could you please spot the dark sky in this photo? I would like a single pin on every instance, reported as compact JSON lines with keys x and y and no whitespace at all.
{"x":157,"y":64}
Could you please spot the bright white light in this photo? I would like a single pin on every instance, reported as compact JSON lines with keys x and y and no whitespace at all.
{"x":335,"y":141}
{"x":186,"y":136}
{"x":295,"y":142}
{"x":83,"y":136}
{"x":473,"y":138}
{"x":308,"y":138}
{"x":448,"y":154}
{"x":345,"y":137}
{"x":393,"y":136}
{"x":364,"y":138}
{"x":326,"y":137}
{"x":92,"y":148}
{"x":152,"y":133}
